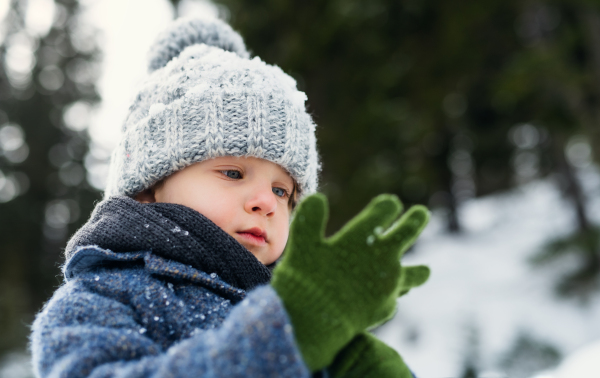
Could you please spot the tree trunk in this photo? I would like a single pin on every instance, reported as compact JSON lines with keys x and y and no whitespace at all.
{"x":446,"y":178}
{"x":175,"y":4}
{"x":589,"y":113}
{"x":572,"y":187}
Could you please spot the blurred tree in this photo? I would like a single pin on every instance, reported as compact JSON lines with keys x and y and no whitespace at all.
{"x":472,"y":353}
{"x":553,"y":80}
{"x":529,"y":356}
{"x":47,"y":75}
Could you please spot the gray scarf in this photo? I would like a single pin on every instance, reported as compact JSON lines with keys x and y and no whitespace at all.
{"x":171,"y":231}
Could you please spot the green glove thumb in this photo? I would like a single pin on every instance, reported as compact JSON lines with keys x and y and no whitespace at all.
{"x":412,"y":276}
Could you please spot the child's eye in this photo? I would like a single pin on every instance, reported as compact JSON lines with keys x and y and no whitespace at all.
{"x":232,"y":174}
{"x":279,"y":192}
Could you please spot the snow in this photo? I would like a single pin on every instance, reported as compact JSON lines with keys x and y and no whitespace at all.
{"x":16,"y":365}
{"x":483,"y":291}
{"x":584,"y":363}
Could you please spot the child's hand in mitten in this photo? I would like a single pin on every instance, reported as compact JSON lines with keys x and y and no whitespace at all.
{"x":335,"y":288}
{"x":366,"y":356}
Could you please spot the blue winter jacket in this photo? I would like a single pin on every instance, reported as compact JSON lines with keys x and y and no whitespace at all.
{"x":140,"y":315}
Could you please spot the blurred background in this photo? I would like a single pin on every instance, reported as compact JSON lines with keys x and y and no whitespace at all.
{"x":486,"y":111}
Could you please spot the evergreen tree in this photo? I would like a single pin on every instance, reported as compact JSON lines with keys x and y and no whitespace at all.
{"x":553,"y":80}
{"x":46,"y":91}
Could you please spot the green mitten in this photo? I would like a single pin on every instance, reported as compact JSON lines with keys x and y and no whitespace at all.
{"x":365,"y":355}
{"x":335,"y":288}
{"x":368,"y":357}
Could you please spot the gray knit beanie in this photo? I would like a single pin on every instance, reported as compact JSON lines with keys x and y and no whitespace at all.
{"x":204,"y":98}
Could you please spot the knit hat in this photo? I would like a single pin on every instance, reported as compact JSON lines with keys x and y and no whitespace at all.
{"x":204,"y":98}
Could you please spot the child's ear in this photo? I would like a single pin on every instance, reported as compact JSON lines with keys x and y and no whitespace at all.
{"x":146,"y":196}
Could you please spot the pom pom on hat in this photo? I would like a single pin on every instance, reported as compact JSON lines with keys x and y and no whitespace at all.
{"x":186,"y":32}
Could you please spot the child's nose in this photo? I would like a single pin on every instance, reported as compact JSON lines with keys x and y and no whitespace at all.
{"x":262,"y":202}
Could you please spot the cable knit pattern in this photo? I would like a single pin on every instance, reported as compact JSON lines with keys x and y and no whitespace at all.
{"x":207,"y":102}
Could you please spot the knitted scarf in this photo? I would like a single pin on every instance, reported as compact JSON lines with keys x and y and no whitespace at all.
{"x":172,"y":231}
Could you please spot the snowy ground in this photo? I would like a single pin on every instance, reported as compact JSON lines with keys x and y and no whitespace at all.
{"x":483,"y":293}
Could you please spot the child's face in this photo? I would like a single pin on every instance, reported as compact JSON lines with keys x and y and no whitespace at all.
{"x":246,"y":197}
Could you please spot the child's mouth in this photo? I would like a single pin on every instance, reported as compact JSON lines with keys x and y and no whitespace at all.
{"x":254,"y":236}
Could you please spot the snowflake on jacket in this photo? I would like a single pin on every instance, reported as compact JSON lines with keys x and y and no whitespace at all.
{"x":138,"y":314}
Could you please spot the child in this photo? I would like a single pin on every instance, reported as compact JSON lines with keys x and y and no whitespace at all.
{"x":172,"y":276}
